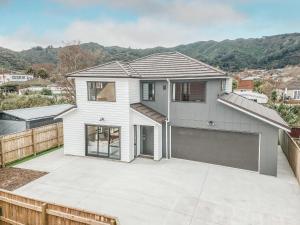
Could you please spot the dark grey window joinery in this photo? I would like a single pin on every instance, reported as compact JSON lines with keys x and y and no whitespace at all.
{"x":148,"y":91}
{"x":103,"y":141}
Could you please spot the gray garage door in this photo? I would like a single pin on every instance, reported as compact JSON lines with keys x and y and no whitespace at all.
{"x":233,"y":149}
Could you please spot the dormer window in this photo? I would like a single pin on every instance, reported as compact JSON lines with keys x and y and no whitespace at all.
{"x":101,"y":91}
{"x":148,"y":91}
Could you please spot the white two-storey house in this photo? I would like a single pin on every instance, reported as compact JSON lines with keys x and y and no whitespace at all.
{"x":169,"y":105}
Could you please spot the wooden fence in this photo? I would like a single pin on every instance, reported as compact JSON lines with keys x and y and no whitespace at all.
{"x":19,"y":210}
{"x":22,"y":144}
{"x":291,"y":150}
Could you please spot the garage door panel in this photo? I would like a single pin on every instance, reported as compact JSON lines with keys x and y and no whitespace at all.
{"x":233,"y":149}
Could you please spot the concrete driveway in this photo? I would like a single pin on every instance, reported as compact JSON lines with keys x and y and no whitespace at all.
{"x":175,"y":192}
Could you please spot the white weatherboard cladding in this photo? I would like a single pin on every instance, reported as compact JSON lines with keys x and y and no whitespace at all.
{"x":134,"y":90}
{"x":90,"y":112}
{"x":228,"y":85}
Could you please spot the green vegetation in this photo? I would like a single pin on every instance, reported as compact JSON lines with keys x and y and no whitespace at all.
{"x":32,"y":157}
{"x":14,"y":101}
{"x":290,"y":113}
{"x":231,"y":55}
{"x":46,"y":91}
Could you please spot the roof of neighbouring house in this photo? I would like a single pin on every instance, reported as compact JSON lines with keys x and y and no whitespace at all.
{"x":34,"y":113}
{"x":158,"y":65}
{"x":148,"y":112}
{"x":245,"y":84}
{"x":254,"y":109}
{"x":11,"y":126}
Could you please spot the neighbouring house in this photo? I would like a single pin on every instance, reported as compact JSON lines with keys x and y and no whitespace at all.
{"x":54,"y":88}
{"x":169,"y":105}
{"x":18,"y":120}
{"x":245,"y":84}
{"x":254,"y":96}
{"x":5,"y":78}
{"x":290,"y":90}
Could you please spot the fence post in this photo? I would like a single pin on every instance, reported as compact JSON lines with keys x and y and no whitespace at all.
{"x":44,"y":218}
{"x":2,"y":152}
{"x":57,"y":133}
{"x":33,"y":142}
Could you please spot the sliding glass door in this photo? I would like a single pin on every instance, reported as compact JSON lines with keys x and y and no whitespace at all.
{"x":103,"y":141}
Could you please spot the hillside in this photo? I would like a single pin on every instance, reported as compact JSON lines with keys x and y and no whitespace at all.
{"x":231,"y":55}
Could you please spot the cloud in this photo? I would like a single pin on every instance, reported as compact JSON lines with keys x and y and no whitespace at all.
{"x":23,"y":39}
{"x":139,"y":34}
{"x":159,"y":23}
{"x":194,"y":12}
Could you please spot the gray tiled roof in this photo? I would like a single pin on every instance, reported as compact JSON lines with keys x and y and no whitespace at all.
{"x":158,"y":65}
{"x":38,"y":112}
{"x":254,"y":108}
{"x":172,"y":64}
{"x":145,"y":110}
{"x":111,"y":69}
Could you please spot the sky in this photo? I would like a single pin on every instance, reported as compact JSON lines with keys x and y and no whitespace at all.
{"x":141,"y":23}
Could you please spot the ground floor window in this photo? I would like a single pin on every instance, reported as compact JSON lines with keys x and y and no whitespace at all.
{"x":103,"y":141}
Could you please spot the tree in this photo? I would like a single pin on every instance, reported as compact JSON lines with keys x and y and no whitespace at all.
{"x":30,"y":71}
{"x":72,"y":58}
{"x":274,"y":96}
{"x":46,"y":91}
{"x":234,"y":84}
{"x":42,"y":74}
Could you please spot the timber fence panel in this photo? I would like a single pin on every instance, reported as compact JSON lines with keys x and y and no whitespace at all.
{"x":292,"y":151}
{"x":20,"y":210}
{"x":19,"y":145}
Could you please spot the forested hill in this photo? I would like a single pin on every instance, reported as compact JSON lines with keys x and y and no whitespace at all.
{"x":231,"y":55}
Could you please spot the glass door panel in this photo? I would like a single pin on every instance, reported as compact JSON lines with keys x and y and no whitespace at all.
{"x":103,"y":138}
{"x":92,"y":140}
{"x":114,"y":146}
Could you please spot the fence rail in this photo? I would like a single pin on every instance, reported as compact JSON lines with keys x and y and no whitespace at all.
{"x":292,"y":151}
{"x":19,"y":210}
{"x":22,"y":144}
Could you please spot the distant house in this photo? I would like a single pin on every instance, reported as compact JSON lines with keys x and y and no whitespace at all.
{"x":5,"y":78}
{"x":245,"y":84}
{"x":290,"y":90}
{"x":54,"y":88}
{"x":254,"y":96}
{"x":17,"y":120}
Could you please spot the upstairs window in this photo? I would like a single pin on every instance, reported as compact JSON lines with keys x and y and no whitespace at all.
{"x":101,"y":91}
{"x":148,"y":91}
{"x":192,"y":91}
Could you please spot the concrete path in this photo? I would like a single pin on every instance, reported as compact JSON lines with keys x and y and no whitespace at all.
{"x":168,"y":192}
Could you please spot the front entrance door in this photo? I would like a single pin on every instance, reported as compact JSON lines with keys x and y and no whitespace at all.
{"x":147,"y":143}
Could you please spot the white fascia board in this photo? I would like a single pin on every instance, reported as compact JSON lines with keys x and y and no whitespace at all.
{"x":146,"y":117}
{"x":65,"y":113}
{"x":182,"y":78}
{"x":254,"y":115}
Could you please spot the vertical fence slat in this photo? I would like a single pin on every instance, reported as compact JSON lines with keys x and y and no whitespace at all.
{"x":2,"y":153}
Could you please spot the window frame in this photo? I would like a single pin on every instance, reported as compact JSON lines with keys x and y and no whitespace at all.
{"x":109,"y":139}
{"x":190,"y":101}
{"x":95,"y":94}
{"x":153,"y":91}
